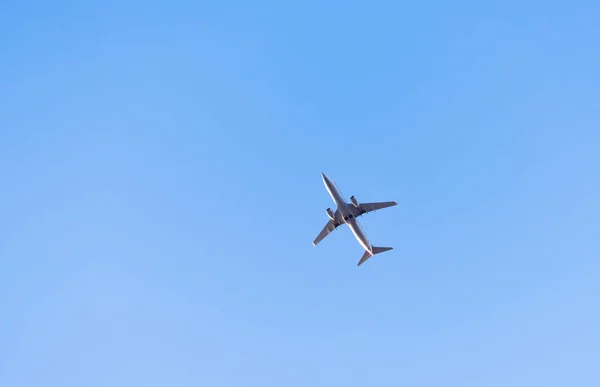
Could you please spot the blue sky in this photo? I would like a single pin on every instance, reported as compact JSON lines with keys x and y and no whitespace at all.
{"x":161,"y":188}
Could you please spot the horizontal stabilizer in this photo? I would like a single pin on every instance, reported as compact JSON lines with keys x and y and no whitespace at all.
{"x":376,"y":250}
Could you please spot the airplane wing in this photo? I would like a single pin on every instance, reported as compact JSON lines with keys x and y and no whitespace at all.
{"x":329,"y":227}
{"x":369,"y":207}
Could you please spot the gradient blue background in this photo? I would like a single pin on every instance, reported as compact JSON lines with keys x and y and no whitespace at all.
{"x":161,"y":188}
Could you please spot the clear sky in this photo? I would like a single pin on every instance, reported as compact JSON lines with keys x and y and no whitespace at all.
{"x":160,"y":166}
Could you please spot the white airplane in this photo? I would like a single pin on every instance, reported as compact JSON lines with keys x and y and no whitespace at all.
{"x":347,"y":213}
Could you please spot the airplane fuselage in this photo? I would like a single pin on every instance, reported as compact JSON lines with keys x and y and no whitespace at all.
{"x":347,"y":213}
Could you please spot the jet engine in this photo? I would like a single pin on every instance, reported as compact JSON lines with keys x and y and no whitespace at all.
{"x":330,"y":214}
{"x":354,"y":201}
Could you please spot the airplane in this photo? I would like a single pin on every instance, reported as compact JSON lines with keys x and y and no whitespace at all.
{"x":346,"y":213}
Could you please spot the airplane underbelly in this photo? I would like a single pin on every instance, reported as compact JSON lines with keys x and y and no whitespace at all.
{"x":360,"y":235}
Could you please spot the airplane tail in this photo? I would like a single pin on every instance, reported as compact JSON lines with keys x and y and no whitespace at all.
{"x":376,"y":250}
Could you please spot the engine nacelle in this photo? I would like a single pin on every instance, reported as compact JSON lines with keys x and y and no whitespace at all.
{"x":330,"y":214}
{"x":354,"y":201}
